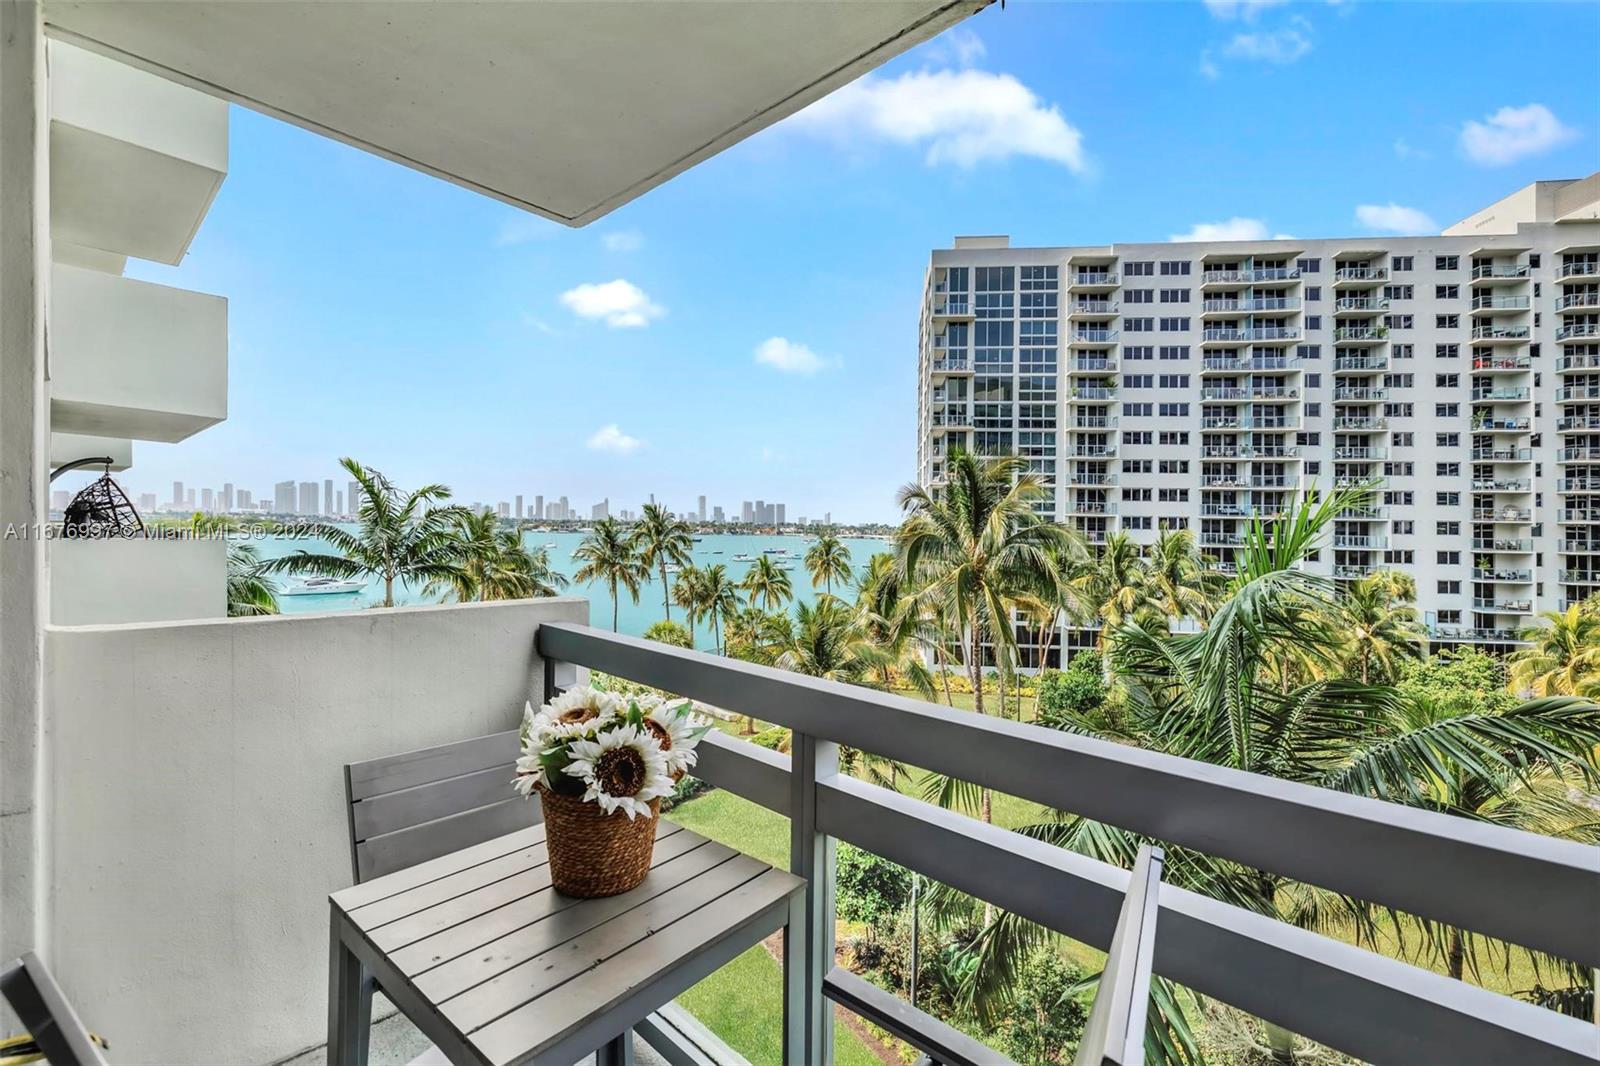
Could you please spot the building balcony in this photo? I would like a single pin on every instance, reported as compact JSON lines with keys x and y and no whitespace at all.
{"x":1580,"y":270}
{"x":1260,"y":481}
{"x":1586,"y":300}
{"x":1578,"y":455}
{"x":1578,"y":484}
{"x":135,"y":159}
{"x":1502,"y":576}
{"x":1502,"y":514}
{"x":1482,"y":305}
{"x":1501,"y":334}
{"x":158,"y":579}
{"x":1251,"y":276}
{"x":1267,"y":453}
{"x":1218,"y":539}
{"x":69,"y":447}
{"x":1514,"y":545}
{"x":1089,"y":477}
{"x":1581,"y":577}
{"x":1457,"y":635}
{"x":1569,"y":363}
{"x":1089,"y":309}
{"x":1360,"y":423}
{"x":1357,"y":306}
{"x":1093,"y":451}
{"x":1091,"y":394}
{"x":1376,"y":513}
{"x":1578,"y":331}
{"x":1501,"y":425}
{"x":1501,"y":364}
{"x":1092,"y":336}
{"x":952,"y":419}
{"x":1359,"y":277}
{"x":1352,"y":571}
{"x":1248,"y":335}
{"x":1091,"y":507}
{"x":1502,"y":455}
{"x":1360,"y":334}
{"x":1356,"y":395}
{"x":1579,"y":516}
{"x":1578,"y":392}
{"x":1092,"y":365}
{"x":1092,"y":280}
{"x":1345,"y":454}
{"x":1497,"y":273}
{"x":1228,"y":481}
{"x":1359,"y":364}
{"x":1512,"y":485}
{"x":1093,"y":422}
{"x":952,"y":365}
{"x":1501,"y":395}
{"x":1364,"y":541}
{"x":1251,"y":305}
{"x":953,"y":309}
{"x":1215,"y":364}
{"x":133,"y":359}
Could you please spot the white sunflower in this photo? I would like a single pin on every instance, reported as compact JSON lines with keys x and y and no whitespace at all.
{"x":677,"y":730}
{"x":623,"y":769}
{"x":576,"y":713}
{"x":529,"y":772}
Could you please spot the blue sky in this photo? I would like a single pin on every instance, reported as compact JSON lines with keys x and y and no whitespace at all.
{"x":749,"y":329}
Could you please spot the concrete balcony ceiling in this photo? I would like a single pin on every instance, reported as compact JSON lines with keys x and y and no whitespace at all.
{"x":568,"y":110}
{"x":67,"y":447}
{"x":133,"y":359}
{"x":135,"y":160}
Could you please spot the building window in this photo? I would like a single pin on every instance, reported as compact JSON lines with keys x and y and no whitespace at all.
{"x":1447,"y":292}
{"x":1138,"y":436}
{"x":1138,"y":381}
{"x":1446,"y":410}
{"x":1313,"y":293}
{"x":1173,"y":381}
{"x":1447,"y":262}
{"x":1171,"y":437}
{"x":1174,"y":296}
{"x":1401,"y":439}
{"x":1447,"y":469}
{"x":1136,"y":352}
{"x":1447,"y":351}
{"x":1172,"y":495}
{"x":1309,"y":351}
{"x":1140,"y":268}
{"x":1309,"y":266}
{"x":1405,"y":526}
{"x":1137,"y":410}
{"x":1313,"y":381}
{"x":1174,"y":268}
{"x":1174,"y":352}
{"x":1448,"y":558}
{"x":1449,"y":528}
{"x":1138,"y":325}
{"x":1447,"y":440}
{"x":1174,"y":325}
{"x":1449,"y":588}
{"x":1446,"y":321}
{"x":1446,"y":381}
{"x":1139,"y":296}
{"x":1447,"y":499}
{"x":1397,"y":321}
{"x":1313,"y":322}
{"x":1174,"y":410}
{"x":1400,"y":263}
{"x":1401,"y":351}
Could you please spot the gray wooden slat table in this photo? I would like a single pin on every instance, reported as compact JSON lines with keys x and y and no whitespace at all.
{"x":496,"y":967}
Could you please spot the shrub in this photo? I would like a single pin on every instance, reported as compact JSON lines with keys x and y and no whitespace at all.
{"x":667,"y":632}
{"x":1070,"y":692}
{"x":1047,"y":1019}
{"x":871,"y":889}
{"x":774,"y":739}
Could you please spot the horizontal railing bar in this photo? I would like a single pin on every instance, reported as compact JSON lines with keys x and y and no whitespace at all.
{"x":1378,"y":1009}
{"x":745,"y":769}
{"x":1528,"y":889}
{"x":943,"y":1044}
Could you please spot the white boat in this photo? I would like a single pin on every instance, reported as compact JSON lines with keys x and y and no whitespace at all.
{"x":325,"y":586}
{"x":742,"y":558}
{"x":549,"y":544}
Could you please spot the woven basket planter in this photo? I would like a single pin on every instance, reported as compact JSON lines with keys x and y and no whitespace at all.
{"x":592,"y":853}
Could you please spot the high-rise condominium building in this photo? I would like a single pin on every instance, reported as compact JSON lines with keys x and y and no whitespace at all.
{"x":308,"y":497}
{"x":701,"y":512}
{"x":327,"y":496}
{"x":1198,"y":385}
{"x":352,"y":497}
{"x":283,"y":497}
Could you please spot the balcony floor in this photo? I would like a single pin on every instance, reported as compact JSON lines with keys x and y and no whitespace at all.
{"x":396,"y":1042}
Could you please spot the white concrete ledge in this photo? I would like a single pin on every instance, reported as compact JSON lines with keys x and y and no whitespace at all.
{"x":101,"y":582}
{"x":135,"y":159}
{"x":134,"y":359}
{"x":66,"y":447}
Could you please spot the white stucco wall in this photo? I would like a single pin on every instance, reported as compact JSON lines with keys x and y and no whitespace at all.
{"x":137,"y":579}
{"x":198,"y":820}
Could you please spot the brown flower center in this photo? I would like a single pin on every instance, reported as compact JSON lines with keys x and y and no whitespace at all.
{"x":576,"y":715}
{"x":620,"y":772}
{"x":659,"y":731}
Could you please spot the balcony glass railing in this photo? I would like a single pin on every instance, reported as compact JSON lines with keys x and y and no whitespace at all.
{"x":1520,"y":577}
{"x":1502,"y":544}
{"x":1351,"y":334}
{"x":1493,"y":272}
{"x":1094,"y":277}
{"x":1360,"y":303}
{"x":1500,"y":333}
{"x":1589,"y":298}
{"x":1500,"y":303}
{"x":1581,"y":268}
{"x":1504,"y":362}
{"x":1578,"y":329}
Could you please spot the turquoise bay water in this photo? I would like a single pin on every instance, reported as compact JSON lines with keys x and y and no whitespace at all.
{"x":632,"y":618}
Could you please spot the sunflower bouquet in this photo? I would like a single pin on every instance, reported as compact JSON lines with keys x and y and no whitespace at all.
{"x":601,"y":764}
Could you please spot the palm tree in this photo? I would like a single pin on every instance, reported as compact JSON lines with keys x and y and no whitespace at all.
{"x":1379,"y":625}
{"x":719,"y":601}
{"x":662,"y":540}
{"x":401,"y":536}
{"x":828,"y":560}
{"x":251,"y":590}
{"x":1564,"y":656}
{"x":972,"y":547}
{"x":1112,"y":587}
{"x":828,"y":642}
{"x":767,"y":586}
{"x":891,"y":620}
{"x":1178,"y":579}
{"x":688,"y":592}
{"x":495,"y":564}
{"x":608,"y":555}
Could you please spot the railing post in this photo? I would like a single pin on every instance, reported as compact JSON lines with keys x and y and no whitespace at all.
{"x":808,"y":940}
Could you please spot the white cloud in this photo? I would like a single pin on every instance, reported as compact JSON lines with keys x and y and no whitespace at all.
{"x":1208,"y":66}
{"x":522,"y":227}
{"x":611,"y":439}
{"x":1513,"y":133}
{"x":1228,"y":10}
{"x":964,"y":118}
{"x":789,"y":356}
{"x":623,"y":240}
{"x":1393,"y":218}
{"x":1278,"y":46}
{"x":1234,"y":229}
{"x":968,"y":46}
{"x":620,"y":304}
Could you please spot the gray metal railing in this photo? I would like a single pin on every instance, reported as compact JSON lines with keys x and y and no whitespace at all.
{"x":1534,"y":891}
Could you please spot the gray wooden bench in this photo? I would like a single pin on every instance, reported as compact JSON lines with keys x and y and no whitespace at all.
{"x":45,"y":1013}
{"x":407,"y":809}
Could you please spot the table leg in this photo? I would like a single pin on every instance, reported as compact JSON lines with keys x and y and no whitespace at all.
{"x":794,"y":985}
{"x":350,"y":989}
{"x":617,"y":1052}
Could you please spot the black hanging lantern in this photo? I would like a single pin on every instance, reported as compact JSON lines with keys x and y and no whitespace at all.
{"x":102,"y":510}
